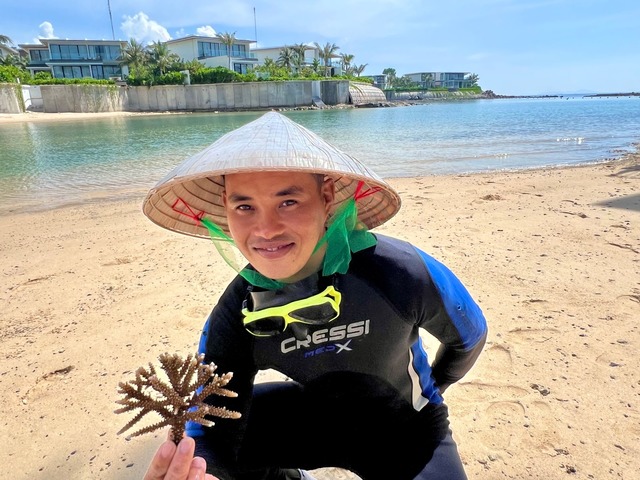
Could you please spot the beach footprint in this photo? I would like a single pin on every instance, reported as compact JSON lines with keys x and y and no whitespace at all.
{"x":535,"y":335}
{"x":511,"y":412}
{"x":497,"y":360}
{"x":45,"y":383}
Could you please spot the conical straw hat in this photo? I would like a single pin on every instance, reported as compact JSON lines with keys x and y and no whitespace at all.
{"x":270,"y":143}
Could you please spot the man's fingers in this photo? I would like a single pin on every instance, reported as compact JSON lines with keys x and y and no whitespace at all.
{"x":161,"y":462}
{"x":181,"y":464}
{"x":198,"y":469}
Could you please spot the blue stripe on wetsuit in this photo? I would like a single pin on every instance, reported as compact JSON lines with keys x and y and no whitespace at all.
{"x":461,"y":308}
{"x":423,"y":370}
{"x":193,"y":429}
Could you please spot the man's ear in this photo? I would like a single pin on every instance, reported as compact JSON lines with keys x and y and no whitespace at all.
{"x":328,"y":193}
{"x":224,"y":198}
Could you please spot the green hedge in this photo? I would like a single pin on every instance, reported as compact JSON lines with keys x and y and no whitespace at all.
{"x":215,"y":75}
{"x":70,"y":81}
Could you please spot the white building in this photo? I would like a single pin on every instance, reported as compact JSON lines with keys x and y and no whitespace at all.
{"x":311,"y":54}
{"x":6,"y":50}
{"x":440,"y":79}
{"x":76,"y":58}
{"x":211,"y":52}
{"x":381,"y":81}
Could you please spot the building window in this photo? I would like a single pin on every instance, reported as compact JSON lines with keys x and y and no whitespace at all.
{"x":97,"y":71}
{"x":111,"y":71}
{"x":105,"y":72}
{"x":38,"y":56}
{"x":239,"y":51}
{"x":71,"y":71}
{"x":68,"y":52}
{"x":211,"y":49}
{"x":240,"y":67}
{"x":104,"y":52}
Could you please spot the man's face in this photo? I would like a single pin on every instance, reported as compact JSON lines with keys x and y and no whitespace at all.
{"x":276,"y":220}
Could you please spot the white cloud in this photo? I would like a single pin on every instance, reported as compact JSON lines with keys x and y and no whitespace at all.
{"x":143,"y":29}
{"x":46,"y":30}
{"x":206,"y":31}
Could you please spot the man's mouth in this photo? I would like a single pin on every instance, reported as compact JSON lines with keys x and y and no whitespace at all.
{"x":273,"y":251}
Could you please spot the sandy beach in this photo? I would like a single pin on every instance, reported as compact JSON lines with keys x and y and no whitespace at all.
{"x":90,"y":292}
{"x":66,"y":116}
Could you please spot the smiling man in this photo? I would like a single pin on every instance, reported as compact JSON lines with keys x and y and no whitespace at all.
{"x":324,"y":301}
{"x":277,"y":219}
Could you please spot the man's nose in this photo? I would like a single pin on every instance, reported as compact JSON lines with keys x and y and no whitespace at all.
{"x":268,"y":225}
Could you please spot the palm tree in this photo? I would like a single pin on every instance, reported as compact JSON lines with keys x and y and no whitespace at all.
{"x":347,"y":58}
{"x":391,"y":75}
{"x":358,"y":69}
{"x":6,"y":41}
{"x":325,"y":53}
{"x":472,"y":78}
{"x":299,"y":49}
{"x":286,"y":58}
{"x":161,"y":56}
{"x":12,"y":60}
{"x":427,"y":80}
{"x":315,"y":66}
{"x":228,"y":39}
{"x":134,"y":55}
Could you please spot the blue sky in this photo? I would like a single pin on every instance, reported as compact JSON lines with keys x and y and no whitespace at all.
{"x":514,"y":46}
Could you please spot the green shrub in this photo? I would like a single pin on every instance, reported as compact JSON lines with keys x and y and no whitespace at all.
{"x":139,"y":80}
{"x":11,"y":74}
{"x":170,"y":78}
{"x":71,"y":81}
{"x":248,"y":77}
{"x":215,"y":75}
{"x":42,"y":76}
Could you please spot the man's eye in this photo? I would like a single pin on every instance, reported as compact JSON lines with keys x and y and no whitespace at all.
{"x":288,"y":203}
{"x":243,"y":207}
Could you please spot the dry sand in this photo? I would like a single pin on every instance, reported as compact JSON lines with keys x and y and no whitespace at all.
{"x":90,"y":292}
{"x":28,"y":117}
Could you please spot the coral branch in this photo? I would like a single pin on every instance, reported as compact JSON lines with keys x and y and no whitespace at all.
{"x":177,"y":401}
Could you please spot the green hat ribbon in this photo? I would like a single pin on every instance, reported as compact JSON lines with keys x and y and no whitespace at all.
{"x":345,"y":235}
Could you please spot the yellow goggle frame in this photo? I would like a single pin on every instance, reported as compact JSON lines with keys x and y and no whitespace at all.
{"x":318,"y":309}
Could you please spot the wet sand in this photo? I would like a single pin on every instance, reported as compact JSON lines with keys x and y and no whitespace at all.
{"x":92,"y":291}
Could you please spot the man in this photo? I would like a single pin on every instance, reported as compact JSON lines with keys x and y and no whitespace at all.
{"x":325,"y":302}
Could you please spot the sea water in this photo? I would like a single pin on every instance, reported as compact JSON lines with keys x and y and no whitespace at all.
{"x":46,"y":164}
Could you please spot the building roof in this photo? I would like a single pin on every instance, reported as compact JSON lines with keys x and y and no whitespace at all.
{"x":433,"y":71}
{"x":8,"y":50}
{"x":308,"y":47}
{"x":44,"y":43}
{"x":203,"y":38}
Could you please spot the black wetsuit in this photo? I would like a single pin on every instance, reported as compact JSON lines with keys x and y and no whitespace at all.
{"x":363,"y":394}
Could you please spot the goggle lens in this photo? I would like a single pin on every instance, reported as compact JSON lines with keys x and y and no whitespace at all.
{"x":316,"y":314}
{"x":318,"y":309}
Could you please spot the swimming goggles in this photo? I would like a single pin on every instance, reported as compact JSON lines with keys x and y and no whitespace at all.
{"x":318,"y":309}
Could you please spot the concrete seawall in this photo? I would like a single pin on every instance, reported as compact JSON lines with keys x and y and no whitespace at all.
{"x":10,"y":101}
{"x":223,"y":96}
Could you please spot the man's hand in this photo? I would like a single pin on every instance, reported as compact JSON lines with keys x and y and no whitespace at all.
{"x":178,"y":463}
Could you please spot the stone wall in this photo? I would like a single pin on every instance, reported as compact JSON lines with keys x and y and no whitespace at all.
{"x":82,"y":98}
{"x":223,"y":96}
{"x":10,"y":101}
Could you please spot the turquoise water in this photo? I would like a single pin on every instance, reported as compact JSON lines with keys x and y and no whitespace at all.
{"x":46,"y":164}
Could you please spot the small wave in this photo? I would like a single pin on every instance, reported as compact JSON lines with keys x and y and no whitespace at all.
{"x":577,"y":140}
